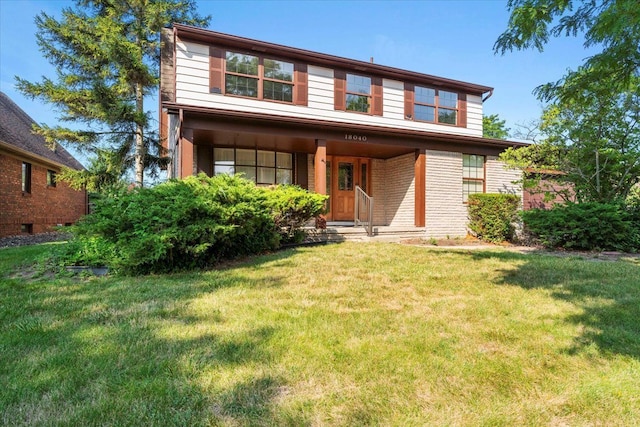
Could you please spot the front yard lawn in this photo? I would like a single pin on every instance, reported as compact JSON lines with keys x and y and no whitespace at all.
{"x":339,"y":335}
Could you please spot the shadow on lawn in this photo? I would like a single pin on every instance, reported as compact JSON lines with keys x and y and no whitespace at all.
{"x":128,"y":351}
{"x":608,"y":294}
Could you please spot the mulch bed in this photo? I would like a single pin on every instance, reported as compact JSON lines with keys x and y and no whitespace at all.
{"x":32,"y":239}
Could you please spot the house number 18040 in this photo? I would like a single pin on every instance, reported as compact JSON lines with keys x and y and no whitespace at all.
{"x":352,"y":137}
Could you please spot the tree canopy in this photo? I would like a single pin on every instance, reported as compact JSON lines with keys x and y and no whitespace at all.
{"x":493,"y":127}
{"x":106,"y":54}
{"x":613,"y":25}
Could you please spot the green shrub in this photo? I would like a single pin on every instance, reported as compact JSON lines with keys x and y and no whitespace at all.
{"x":181,"y":224}
{"x":292,"y":207}
{"x":189,"y":223}
{"x":491,"y":216}
{"x":586,"y":226}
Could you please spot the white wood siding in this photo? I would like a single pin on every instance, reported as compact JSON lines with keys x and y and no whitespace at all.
{"x":192,"y":88}
{"x":474,"y":114}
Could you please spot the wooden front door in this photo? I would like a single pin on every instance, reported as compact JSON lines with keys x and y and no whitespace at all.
{"x":346,"y":173}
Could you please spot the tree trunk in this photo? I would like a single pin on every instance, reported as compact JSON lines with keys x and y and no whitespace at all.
{"x":140,"y":152}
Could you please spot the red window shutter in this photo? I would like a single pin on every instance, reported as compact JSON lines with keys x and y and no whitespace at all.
{"x":409,"y":98}
{"x":462,"y":110}
{"x":301,"y":88}
{"x":376,"y":96}
{"x":216,"y":71}
{"x":340,"y":90}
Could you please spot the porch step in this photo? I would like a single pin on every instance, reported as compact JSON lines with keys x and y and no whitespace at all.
{"x":352,"y":233}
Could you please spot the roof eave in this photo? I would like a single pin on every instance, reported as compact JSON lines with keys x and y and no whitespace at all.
{"x":316,"y":58}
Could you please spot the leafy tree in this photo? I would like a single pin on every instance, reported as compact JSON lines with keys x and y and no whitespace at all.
{"x":106,"y":53}
{"x":591,"y":142}
{"x":493,"y":127}
{"x":612,"y":24}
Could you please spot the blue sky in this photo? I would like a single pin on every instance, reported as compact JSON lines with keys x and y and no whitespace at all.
{"x":452,"y":39}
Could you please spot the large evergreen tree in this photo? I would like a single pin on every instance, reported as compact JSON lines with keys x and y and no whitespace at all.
{"x":106,"y":53}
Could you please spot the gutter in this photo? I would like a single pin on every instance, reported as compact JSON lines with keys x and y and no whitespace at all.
{"x":488,"y":96}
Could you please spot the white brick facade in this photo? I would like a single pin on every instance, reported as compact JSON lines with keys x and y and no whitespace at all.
{"x":446,"y":214}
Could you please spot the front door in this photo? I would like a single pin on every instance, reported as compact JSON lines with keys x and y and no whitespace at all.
{"x":346,"y":174}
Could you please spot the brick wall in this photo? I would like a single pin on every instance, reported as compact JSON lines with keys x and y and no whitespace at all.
{"x":501,"y":179}
{"x":45,"y":207}
{"x":400,"y":191}
{"x":446,"y":214}
{"x":378,"y":190}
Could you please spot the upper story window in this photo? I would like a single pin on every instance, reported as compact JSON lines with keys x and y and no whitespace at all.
{"x":358,"y":93}
{"x":473,"y":180}
{"x":26,"y":177}
{"x":361,"y":94}
{"x":427,"y":104}
{"x":257,"y":76}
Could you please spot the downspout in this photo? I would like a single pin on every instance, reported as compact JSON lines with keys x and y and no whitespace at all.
{"x":488,"y":96}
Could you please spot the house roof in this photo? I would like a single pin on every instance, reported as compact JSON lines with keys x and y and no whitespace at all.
{"x":215,"y":38}
{"x":16,"y":131}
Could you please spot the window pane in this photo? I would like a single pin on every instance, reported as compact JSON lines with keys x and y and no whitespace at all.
{"x":358,"y":84}
{"x":220,"y":169}
{"x":363,"y":177}
{"x":425,"y":113}
{"x":278,"y":70}
{"x":357,"y":103}
{"x":425,"y":95}
{"x":243,"y":86}
{"x":471,"y":187}
{"x":447,"y":116}
{"x":51,"y":178}
{"x":278,"y":91}
{"x":249,"y":172}
{"x":284,"y":160}
{"x":345,"y":176}
{"x":266,"y":158}
{"x":223,"y":156}
{"x":283,"y":176}
{"x":447,"y":99}
{"x":242,"y":64}
{"x":266,"y":176}
{"x":245,"y":157}
{"x":472,"y":166}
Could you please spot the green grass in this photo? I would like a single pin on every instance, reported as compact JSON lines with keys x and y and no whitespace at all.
{"x":341,"y":335}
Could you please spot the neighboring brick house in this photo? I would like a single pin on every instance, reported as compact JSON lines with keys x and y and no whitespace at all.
{"x":279,"y":114}
{"x":31,"y":199}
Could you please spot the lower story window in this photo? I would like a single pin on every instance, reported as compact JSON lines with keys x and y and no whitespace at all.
{"x":26,"y":228}
{"x":260,"y":166}
{"x":472,"y":175}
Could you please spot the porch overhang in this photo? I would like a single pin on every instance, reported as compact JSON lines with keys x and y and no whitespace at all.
{"x":295,"y":134}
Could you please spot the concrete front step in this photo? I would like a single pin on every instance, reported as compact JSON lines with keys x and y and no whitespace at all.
{"x":380,"y":233}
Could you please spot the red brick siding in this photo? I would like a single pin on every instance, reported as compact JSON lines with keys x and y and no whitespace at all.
{"x":45,"y":207}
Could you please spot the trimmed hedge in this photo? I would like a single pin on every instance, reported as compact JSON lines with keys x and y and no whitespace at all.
{"x":189,"y":223}
{"x":586,"y":226}
{"x":492,"y":215}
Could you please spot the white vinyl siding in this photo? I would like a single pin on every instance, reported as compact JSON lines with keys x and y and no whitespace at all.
{"x":192,"y":88}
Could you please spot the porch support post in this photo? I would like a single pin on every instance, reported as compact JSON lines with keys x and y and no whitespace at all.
{"x":186,"y":153}
{"x":320,"y":166}
{"x":420,"y":171}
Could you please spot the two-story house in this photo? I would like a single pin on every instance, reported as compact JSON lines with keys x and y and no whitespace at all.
{"x":411,"y":141}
